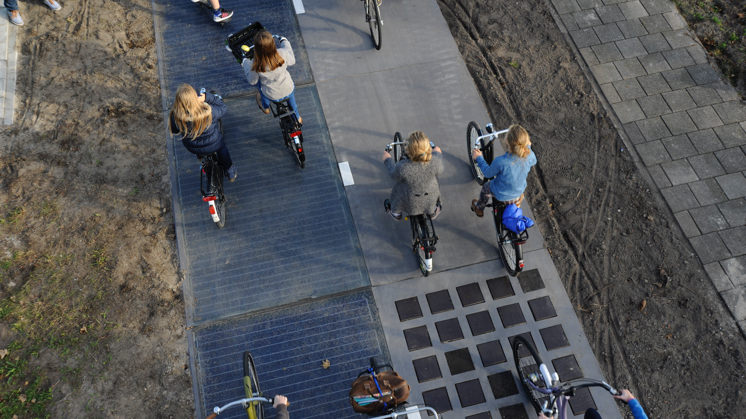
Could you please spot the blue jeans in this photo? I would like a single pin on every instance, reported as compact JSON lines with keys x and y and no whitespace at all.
{"x":11,"y":4}
{"x":266,"y":100}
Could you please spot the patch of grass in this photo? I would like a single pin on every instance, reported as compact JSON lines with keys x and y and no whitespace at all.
{"x":514,"y":64}
{"x":28,"y":399}
{"x":717,"y":21}
{"x":13,"y":216}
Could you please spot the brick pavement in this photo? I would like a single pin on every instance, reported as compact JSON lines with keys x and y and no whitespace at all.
{"x":685,"y":123}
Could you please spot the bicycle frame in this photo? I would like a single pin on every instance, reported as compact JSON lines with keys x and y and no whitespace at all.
{"x":291,"y":128}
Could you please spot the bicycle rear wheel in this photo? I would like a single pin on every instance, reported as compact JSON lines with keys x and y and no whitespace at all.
{"x":373,"y":14}
{"x":527,"y":363}
{"x":398,"y":150}
{"x":511,"y":252}
{"x":472,"y":133}
{"x":419,"y":244}
{"x":255,"y":410}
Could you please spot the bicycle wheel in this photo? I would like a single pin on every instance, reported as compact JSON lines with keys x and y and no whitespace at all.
{"x":472,"y":133}
{"x":373,"y":14}
{"x":527,"y":363}
{"x":511,"y":252}
{"x":398,"y":150}
{"x":419,"y":239}
{"x":255,"y":410}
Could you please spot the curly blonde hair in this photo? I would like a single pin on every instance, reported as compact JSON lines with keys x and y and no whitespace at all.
{"x":191,"y":116}
{"x":518,"y":141}
{"x":418,"y":147}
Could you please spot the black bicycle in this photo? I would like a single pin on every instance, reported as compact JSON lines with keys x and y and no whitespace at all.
{"x":424,"y":237}
{"x":241,"y":45}
{"x":509,"y":243}
{"x":546,"y":392}
{"x":211,"y":179}
{"x":373,"y":17}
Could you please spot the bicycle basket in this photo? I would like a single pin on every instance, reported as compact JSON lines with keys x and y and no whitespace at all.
{"x":374,"y":393}
{"x":244,"y":37}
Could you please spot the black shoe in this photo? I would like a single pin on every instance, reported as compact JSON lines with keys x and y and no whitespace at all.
{"x":387,"y":205}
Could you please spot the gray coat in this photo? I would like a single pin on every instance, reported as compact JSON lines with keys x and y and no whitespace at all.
{"x":277,"y":83}
{"x":416,"y":190}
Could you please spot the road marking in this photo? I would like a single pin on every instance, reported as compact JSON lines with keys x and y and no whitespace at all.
{"x":298,"y":4}
{"x":344,"y":169}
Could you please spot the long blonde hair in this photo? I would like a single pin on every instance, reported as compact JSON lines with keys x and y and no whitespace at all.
{"x":266,"y":57}
{"x":191,"y":116}
{"x":418,"y":147}
{"x":518,"y":141}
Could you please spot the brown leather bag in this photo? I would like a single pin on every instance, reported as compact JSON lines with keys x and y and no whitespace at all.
{"x":378,"y":392}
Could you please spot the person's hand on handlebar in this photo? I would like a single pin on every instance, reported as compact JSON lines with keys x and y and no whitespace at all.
{"x":279,"y":400}
{"x":386,"y":155}
{"x":476,"y":153}
{"x":625,"y":396}
{"x":437,"y":149}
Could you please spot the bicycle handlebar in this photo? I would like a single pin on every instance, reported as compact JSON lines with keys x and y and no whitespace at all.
{"x":490,"y":136}
{"x":409,"y":411}
{"x":243,"y":402}
{"x":390,"y":146}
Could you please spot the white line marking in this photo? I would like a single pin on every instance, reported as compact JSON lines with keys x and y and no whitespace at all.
{"x":298,"y":4}
{"x":344,"y":169}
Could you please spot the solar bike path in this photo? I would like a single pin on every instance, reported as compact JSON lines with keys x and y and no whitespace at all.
{"x":288,"y":277}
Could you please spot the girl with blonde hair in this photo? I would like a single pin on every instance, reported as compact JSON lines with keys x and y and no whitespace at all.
{"x":509,"y":171}
{"x":197,"y":120}
{"x":268,"y":71}
{"x":416,"y":190}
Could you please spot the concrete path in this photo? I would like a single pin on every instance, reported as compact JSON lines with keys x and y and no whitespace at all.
{"x":8,"y":67}
{"x":685,"y":123}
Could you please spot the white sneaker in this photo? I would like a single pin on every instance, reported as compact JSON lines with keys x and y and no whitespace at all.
{"x":17,"y":20}
{"x":52,"y":4}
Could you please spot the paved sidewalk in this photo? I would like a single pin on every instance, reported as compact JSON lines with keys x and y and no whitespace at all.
{"x":685,"y":123}
{"x":8,"y":63}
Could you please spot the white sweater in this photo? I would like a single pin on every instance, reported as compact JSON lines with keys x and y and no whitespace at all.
{"x":275,"y":84}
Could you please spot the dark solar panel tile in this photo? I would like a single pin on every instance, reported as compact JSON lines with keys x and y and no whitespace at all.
{"x":524,"y":351}
{"x":516,"y":411}
{"x":491,"y":353}
{"x":582,"y":401}
{"x":502,"y":384}
{"x":470,"y":393}
{"x":426,"y":368}
{"x":530,"y":281}
{"x":480,"y":323}
{"x":437,"y":399}
{"x":554,"y":337}
{"x":470,"y":294}
{"x":511,"y":315}
{"x":459,"y":361}
{"x":417,"y":338}
{"x":449,"y":330}
{"x":483,"y":415}
{"x":567,"y":367}
{"x":542,"y":308}
{"x":500,"y":287}
{"x":408,"y":309}
{"x":439,"y":301}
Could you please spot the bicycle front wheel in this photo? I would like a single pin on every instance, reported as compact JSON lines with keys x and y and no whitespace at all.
{"x":511,"y":252}
{"x":527,"y":363}
{"x":255,"y":410}
{"x":374,"y":22}
{"x":472,"y":133}
{"x":398,"y":150}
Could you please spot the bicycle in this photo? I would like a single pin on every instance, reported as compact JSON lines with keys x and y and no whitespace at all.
{"x":373,"y":17}
{"x":241,"y":45}
{"x":254,"y":401}
{"x":545,"y":391}
{"x":424,"y":237}
{"x":211,"y":178}
{"x":402,"y":410}
{"x":509,"y":243}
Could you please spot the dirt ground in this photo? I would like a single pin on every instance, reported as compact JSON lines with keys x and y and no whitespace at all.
{"x":654,"y":319}
{"x":91,"y":311}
